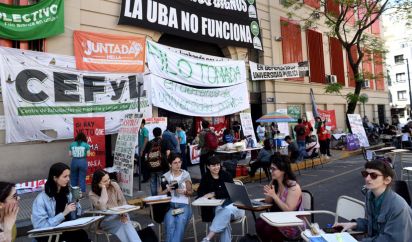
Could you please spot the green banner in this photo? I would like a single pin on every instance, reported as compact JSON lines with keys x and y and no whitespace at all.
{"x":37,"y":21}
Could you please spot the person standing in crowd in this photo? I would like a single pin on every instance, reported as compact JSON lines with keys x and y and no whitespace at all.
{"x":295,"y":153}
{"x":55,"y":205}
{"x":180,"y":212}
{"x":301,"y":132}
{"x":207,"y":144}
{"x":263,"y":159}
{"x":169,"y":136}
{"x":212,"y":185}
{"x":286,"y":195}
{"x":181,"y":137}
{"x":308,"y":128}
{"x":237,"y":131}
{"x":388,"y":216}
{"x":328,"y":139}
{"x":322,"y":137}
{"x":9,"y":208}
{"x":106,"y":194}
{"x":227,"y":137}
{"x":143,"y":139}
{"x":157,"y":151}
{"x":274,"y":128}
{"x":79,"y":150}
{"x":260,"y":131}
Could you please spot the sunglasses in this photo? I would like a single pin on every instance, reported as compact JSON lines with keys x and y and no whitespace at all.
{"x":373,"y":175}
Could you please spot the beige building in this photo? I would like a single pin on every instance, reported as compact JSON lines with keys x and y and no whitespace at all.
{"x":28,"y":161}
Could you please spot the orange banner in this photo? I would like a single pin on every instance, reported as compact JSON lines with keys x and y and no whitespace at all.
{"x":109,"y":53}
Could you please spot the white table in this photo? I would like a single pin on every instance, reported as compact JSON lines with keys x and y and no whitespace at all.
{"x":205,"y":202}
{"x":237,"y":151}
{"x":284,"y":219}
{"x":115,"y":210}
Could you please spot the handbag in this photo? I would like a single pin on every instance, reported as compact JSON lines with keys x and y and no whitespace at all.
{"x":147,"y":235}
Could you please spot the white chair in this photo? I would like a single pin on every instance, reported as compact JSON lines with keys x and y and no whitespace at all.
{"x":406,"y":165}
{"x":308,"y":203}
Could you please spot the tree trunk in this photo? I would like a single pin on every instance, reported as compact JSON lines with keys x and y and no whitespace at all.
{"x":358,"y":87}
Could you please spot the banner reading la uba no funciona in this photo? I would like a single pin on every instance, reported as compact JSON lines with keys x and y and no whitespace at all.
{"x":40,"y":101}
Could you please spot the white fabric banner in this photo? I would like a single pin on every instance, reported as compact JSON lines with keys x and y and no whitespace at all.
{"x":40,"y":100}
{"x":357,"y":128}
{"x":292,"y":70}
{"x":186,"y":100}
{"x":196,"y":71}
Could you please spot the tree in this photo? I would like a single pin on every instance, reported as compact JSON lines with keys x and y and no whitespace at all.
{"x":349,"y":22}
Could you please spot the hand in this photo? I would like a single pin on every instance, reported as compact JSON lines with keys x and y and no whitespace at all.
{"x":123,"y":218}
{"x":269,"y":191}
{"x":346,"y":226}
{"x":209,"y":195}
{"x":69,"y":208}
{"x":10,"y":215}
{"x":102,"y":186}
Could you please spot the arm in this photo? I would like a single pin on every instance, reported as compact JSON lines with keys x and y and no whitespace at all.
{"x":99,"y":203}
{"x":40,"y":217}
{"x":292,"y":200}
{"x":120,"y":196}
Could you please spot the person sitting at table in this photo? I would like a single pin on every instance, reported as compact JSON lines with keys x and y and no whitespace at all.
{"x":176,"y":223}
{"x":388,"y":216}
{"x":107,"y":194}
{"x":212,"y":185}
{"x":55,"y":205}
{"x":227,"y":137}
{"x":286,"y":195}
{"x":263,"y":158}
{"x":9,"y":208}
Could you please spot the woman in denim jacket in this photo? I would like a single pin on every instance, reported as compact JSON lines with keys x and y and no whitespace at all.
{"x":54,"y":205}
{"x":388,"y":216}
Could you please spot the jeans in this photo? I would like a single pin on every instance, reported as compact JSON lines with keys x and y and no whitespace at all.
{"x":176,"y":224}
{"x":154,"y":182}
{"x":78,"y":170}
{"x":301,"y":143}
{"x":221,"y":221}
{"x":124,"y":231}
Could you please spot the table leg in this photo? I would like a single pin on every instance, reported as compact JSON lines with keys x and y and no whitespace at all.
{"x":254,"y":215}
{"x":57,"y":238}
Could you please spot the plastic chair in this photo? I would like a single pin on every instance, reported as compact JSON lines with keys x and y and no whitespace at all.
{"x":349,"y":208}
{"x":401,"y":188}
{"x":308,"y":203}
{"x":406,"y":165}
{"x":97,"y":230}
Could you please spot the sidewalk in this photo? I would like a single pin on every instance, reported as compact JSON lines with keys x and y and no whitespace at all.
{"x":24,"y":223}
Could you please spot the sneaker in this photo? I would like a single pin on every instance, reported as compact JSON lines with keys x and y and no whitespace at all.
{"x":205,"y":240}
{"x":327,"y":157}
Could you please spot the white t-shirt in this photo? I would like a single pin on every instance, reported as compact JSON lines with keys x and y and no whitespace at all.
{"x":179,"y":198}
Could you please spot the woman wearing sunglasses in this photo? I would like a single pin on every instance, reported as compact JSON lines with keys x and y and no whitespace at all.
{"x":388,"y":216}
{"x":9,"y":207}
{"x":106,"y":194}
{"x":286,"y":195}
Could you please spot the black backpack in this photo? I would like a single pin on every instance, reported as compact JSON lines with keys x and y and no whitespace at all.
{"x":250,"y":238}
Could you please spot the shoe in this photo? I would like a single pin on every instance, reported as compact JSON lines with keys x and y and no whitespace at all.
{"x":327,"y":157}
{"x":205,"y":240}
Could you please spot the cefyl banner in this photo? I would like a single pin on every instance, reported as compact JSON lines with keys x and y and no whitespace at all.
{"x":37,"y":21}
{"x":93,"y":128}
{"x":330,"y":118}
{"x":111,"y":53}
{"x":40,"y":101}
{"x":292,"y":70}
{"x":194,"y":71}
{"x":219,"y":22}
{"x":357,"y":128}
{"x":191,"y":101}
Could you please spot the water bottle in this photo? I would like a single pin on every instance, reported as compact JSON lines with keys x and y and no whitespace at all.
{"x":78,"y":209}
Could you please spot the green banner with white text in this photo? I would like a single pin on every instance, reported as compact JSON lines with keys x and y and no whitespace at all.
{"x":37,"y":21}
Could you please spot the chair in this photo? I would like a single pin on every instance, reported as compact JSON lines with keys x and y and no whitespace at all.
{"x":97,"y":230}
{"x":349,"y":208}
{"x":308,"y":203}
{"x":401,"y":188}
{"x":406,"y":165}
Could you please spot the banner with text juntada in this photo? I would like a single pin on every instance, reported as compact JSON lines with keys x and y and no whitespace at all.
{"x":37,"y":21}
{"x":111,"y":53}
{"x":40,"y":101}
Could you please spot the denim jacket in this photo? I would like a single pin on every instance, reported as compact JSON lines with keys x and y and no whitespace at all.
{"x":44,"y":211}
{"x":394,"y":220}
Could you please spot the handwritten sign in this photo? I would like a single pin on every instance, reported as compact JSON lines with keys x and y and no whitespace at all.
{"x":247,"y":125}
{"x":357,"y":128}
{"x":124,"y":151}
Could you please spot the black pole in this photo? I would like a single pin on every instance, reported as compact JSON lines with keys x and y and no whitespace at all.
{"x":410,"y":93}
{"x":139,"y":160}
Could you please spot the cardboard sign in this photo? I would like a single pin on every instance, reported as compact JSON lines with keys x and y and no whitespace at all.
{"x":94,"y":130}
{"x":247,"y":125}
{"x":111,"y":53}
{"x":357,"y":128}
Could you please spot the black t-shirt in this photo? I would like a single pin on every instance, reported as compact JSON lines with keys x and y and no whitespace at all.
{"x":61,"y":201}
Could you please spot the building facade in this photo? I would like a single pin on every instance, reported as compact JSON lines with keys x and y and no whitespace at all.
{"x":283,"y":42}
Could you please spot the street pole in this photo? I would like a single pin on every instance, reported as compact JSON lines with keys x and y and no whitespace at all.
{"x":139,"y":160}
{"x":410,"y":92}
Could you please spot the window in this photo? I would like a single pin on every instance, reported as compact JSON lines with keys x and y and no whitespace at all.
{"x":400,"y":77}
{"x":398,"y":59}
{"x":401,"y":95}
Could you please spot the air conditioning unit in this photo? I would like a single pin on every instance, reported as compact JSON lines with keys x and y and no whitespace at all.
{"x":331,"y":79}
{"x":366,"y":84}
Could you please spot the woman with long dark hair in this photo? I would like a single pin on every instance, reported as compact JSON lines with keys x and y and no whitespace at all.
{"x":107,"y":194}
{"x":286,"y":195}
{"x":79,"y":150}
{"x":54,"y":205}
{"x":9,"y":207}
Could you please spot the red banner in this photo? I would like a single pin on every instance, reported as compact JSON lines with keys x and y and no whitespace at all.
{"x":217,"y":124}
{"x":111,"y":53}
{"x":94,"y":129}
{"x":329,"y":116}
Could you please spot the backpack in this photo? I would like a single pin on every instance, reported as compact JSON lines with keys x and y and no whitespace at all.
{"x":211,"y":141}
{"x":300,"y":131}
{"x":249,"y":238}
{"x":154,"y":157}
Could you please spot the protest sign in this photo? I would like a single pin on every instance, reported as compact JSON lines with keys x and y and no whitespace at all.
{"x":247,"y":126}
{"x":198,"y":102}
{"x":234,"y":24}
{"x":111,"y":53}
{"x":292,"y":70}
{"x":30,"y":186}
{"x":93,"y":128}
{"x":194,"y":71}
{"x":330,"y":118}
{"x":40,"y":100}
{"x":41,"y":20}
{"x":194,"y":154}
{"x":357,"y":128}
{"x":152,"y":123}
{"x":124,"y":151}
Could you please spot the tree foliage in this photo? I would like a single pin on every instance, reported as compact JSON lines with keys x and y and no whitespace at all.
{"x":350,"y":21}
